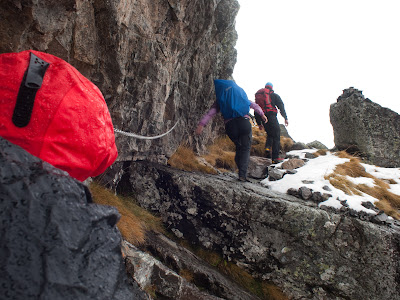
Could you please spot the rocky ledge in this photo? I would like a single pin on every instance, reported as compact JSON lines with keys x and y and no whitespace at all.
{"x":309,"y":252}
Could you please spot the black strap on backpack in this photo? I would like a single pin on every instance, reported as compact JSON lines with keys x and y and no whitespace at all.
{"x":31,"y":83}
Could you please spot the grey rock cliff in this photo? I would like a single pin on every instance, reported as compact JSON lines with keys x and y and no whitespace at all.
{"x":154,"y":61}
{"x":53,"y":243}
{"x":309,"y":252}
{"x":366,"y":128}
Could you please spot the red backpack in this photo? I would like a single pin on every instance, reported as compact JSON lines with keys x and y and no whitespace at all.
{"x":55,"y":113}
{"x":263,"y":99}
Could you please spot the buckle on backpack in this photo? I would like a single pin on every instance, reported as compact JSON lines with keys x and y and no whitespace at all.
{"x":31,"y":83}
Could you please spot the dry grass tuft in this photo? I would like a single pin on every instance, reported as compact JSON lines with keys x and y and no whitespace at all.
{"x":387,"y":207}
{"x":320,"y":152}
{"x":213,"y":258}
{"x":258,"y":133}
{"x":342,"y":183}
{"x":353,"y":168}
{"x":258,"y":146}
{"x":134,"y":221}
{"x":151,"y":289}
{"x":273,"y":292}
{"x":388,"y":202}
{"x":258,"y":150}
{"x":223,"y":143}
{"x":286,"y":143}
{"x":184,"y":158}
{"x":343,"y":154}
{"x":226,"y":162}
{"x":259,"y":139}
{"x":221,"y":154}
{"x":186,"y":274}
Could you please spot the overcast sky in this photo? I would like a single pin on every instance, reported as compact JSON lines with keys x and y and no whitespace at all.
{"x":313,"y":49}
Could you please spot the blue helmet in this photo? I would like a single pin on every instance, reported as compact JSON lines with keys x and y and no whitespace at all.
{"x":269,"y":84}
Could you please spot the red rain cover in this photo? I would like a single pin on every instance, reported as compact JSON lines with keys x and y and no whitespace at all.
{"x":70,"y":125}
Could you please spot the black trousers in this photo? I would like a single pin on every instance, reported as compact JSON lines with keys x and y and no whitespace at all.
{"x":274,"y":134}
{"x":239,"y":131}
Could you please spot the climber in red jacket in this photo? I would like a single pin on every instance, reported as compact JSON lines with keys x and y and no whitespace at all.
{"x":270,"y":102}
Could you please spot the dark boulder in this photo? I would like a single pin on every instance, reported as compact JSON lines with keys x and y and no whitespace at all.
{"x":258,"y":167}
{"x":366,"y":128}
{"x":284,"y":131}
{"x":317,"y":145}
{"x":55,"y":244}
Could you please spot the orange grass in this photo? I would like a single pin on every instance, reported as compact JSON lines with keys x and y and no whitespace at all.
{"x":388,"y":201}
{"x":221,"y":154}
{"x":259,"y":139}
{"x":286,"y":143}
{"x":258,"y":145}
{"x":320,"y":152}
{"x":343,"y":154}
{"x":186,"y":274}
{"x":340,"y":182}
{"x":184,"y":158}
{"x":134,"y":221}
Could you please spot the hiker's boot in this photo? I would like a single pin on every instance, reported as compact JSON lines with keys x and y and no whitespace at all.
{"x":268,"y":152}
{"x":277,"y":160}
{"x":243,"y":179}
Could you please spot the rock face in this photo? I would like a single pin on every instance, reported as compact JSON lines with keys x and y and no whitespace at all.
{"x":309,"y":252}
{"x":148,"y":271}
{"x":363,"y":126}
{"x":54,"y":244}
{"x":154,"y":61}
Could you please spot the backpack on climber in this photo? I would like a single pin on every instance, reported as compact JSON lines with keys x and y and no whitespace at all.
{"x":55,"y":113}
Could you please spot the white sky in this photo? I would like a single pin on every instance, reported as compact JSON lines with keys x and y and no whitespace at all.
{"x":311,"y":50}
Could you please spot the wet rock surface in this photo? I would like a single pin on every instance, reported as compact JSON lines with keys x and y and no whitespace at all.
{"x":55,"y":244}
{"x":276,"y":237}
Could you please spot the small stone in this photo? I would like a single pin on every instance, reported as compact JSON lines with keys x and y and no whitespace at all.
{"x":309,"y":155}
{"x":326,"y":196}
{"x":307,"y":181}
{"x":292,"y":192}
{"x":353,"y":213}
{"x":327,"y":188}
{"x":275,"y":174}
{"x":317,"y":197}
{"x":305,"y":193}
{"x":292,"y":164}
{"x":291,"y":172}
{"x":381,"y":218}
{"x":368,"y":205}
